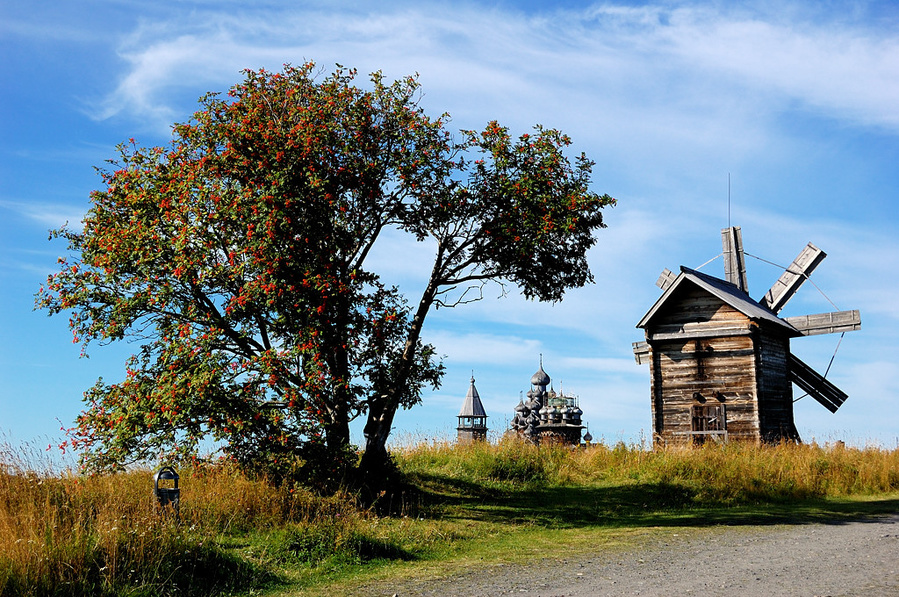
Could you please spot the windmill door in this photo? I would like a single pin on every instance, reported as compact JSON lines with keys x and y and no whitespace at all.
{"x":709,"y":422}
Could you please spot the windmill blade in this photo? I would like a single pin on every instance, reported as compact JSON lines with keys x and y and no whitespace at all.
{"x":826,"y":323}
{"x":641,"y":352}
{"x":666,"y":279}
{"x":811,"y":382}
{"x":734,"y":260}
{"x":790,"y":281}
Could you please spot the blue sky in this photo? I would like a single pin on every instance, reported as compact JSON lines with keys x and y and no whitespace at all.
{"x":798,"y":102}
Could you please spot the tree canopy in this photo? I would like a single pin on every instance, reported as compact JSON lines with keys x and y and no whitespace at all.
{"x":236,"y":257}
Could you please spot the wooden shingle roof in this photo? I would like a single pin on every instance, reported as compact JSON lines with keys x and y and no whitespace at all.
{"x":472,"y":406}
{"x":723,"y":290}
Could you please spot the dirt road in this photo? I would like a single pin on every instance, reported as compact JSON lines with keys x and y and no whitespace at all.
{"x":859,"y":557}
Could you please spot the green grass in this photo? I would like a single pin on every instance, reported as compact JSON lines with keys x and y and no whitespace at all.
{"x":62,"y":534}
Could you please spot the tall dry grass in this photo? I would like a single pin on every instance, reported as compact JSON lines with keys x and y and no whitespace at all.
{"x":742,"y":472}
{"x":721,"y":473}
{"x":66,"y":534}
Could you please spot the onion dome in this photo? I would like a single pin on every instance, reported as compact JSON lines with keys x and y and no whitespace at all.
{"x":540,"y":378}
{"x":544,"y":413}
{"x":587,"y":437}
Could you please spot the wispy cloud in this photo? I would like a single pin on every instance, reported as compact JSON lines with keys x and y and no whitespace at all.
{"x":671,"y":71}
{"x":51,"y":215}
{"x":484,"y":349}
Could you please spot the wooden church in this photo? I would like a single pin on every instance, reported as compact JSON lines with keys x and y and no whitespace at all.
{"x":548,"y":417}
{"x":720,"y":362}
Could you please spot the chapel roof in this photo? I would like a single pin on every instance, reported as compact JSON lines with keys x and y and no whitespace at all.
{"x":472,"y":407}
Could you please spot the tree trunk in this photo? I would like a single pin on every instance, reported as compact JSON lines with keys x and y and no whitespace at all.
{"x":375,"y":466}
{"x":375,"y":462}
{"x":337,"y":434}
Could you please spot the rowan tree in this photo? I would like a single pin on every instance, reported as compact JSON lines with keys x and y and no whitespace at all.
{"x":236,"y":258}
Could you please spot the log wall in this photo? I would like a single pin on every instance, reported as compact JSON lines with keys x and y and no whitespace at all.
{"x":702,"y":352}
{"x":775,"y":390}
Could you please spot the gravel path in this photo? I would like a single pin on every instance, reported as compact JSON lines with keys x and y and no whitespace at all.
{"x":858,"y":557}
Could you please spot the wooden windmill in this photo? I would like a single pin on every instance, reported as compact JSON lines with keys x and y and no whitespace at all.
{"x":720,"y":362}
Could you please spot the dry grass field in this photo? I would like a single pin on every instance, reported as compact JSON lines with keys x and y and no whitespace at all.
{"x":62,"y":533}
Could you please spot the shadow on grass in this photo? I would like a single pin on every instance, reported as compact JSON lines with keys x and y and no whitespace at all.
{"x":633,"y":505}
{"x":192,"y":571}
{"x":202,"y":571}
{"x":324,"y":545}
{"x":369,"y":550}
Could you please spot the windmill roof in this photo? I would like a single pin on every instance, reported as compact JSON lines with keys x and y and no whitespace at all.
{"x":723,"y":290}
{"x":472,"y":406}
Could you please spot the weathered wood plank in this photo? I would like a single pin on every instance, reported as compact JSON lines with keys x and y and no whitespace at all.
{"x":775,"y":392}
{"x":830,"y":396}
{"x":696,"y":305}
{"x":696,"y":331}
{"x":641,"y":353}
{"x":734,"y":260}
{"x":790,"y":281}
{"x":666,"y":279}
{"x":685,"y":344}
{"x":827,"y":323}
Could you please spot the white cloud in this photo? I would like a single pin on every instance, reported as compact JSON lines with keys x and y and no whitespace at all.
{"x":682,"y":74}
{"x":483,"y":349}
{"x":842,"y":71}
{"x":51,"y":215}
{"x":599,"y":364}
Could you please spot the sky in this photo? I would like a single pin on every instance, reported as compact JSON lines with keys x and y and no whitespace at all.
{"x":778,"y":117}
